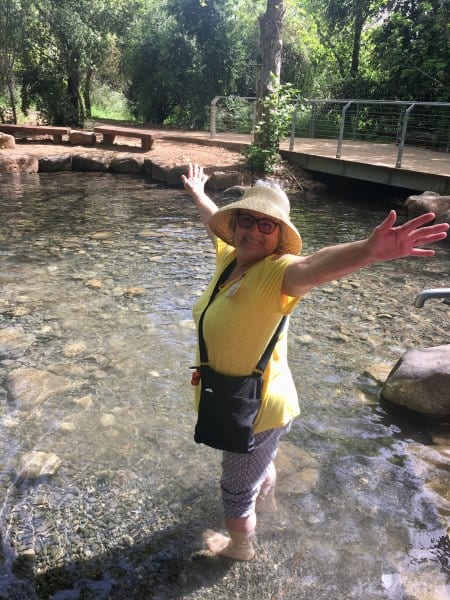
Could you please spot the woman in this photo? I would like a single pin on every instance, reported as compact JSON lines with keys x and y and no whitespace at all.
{"x":266,"y":282}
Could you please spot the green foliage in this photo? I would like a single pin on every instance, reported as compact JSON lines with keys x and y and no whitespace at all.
{"x":172,"y":57}
{"x":276,"y":117}
{"x":412,"y":51}
{"x":235,"y":115}
{"x":181,"y":58}
{"x":108,"y":103}
{"x":64,"y":42}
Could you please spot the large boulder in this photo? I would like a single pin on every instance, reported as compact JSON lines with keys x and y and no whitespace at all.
{"x":429,"y":202}
{"x":127,"y":163}
{"x":221,"y":180}
{"x":95,"y":161}
{"x":420,"y":382}
{"x":7,"y":142}
{"x":164,"y":172}
{"x":56,"y":162}
{"x":19,"y":164}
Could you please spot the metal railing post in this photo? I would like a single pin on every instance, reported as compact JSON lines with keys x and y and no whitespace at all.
{"x":312,"y":124}
{"x":293,"y":124}
{"x":341,"y":131}
{"x":355,"y":122}
{"x":401,"y":144}
{"x":254,"y":123}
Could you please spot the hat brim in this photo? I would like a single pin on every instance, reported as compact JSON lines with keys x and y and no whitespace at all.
{"x":261,"y":200}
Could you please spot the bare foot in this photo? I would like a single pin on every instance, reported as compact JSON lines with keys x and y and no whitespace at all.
{"x":238,"y":547}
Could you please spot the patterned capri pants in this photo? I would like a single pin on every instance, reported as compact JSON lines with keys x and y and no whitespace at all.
{"x":243,"y":474}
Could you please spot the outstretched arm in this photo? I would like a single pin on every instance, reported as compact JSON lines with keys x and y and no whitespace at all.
{"x":194,"y":184}
{"x":386,"y":242}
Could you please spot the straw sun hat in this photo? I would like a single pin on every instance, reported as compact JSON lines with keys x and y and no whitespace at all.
{"x":265,"y":200}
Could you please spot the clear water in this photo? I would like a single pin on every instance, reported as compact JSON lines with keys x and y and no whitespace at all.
{"x":98,"y":273}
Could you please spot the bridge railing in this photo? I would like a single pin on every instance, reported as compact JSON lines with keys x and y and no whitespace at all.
{"x":399,"y":123}
{"x":425,"y":124}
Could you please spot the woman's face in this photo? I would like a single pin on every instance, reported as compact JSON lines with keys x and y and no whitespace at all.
{"x":255,"y":235}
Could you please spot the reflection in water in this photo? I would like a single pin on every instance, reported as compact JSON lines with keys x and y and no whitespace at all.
{"x":98,"y":276}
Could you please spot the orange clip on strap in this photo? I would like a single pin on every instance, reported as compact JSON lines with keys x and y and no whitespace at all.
{"x":195,"y":379}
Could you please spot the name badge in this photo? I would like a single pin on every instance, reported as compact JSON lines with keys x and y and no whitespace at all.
{"x":234,"y":288}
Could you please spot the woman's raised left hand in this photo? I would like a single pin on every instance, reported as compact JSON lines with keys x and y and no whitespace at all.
{"x":387,"y":242}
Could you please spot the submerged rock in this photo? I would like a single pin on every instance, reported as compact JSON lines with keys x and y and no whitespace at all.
{"x":37,"y":464}
{"x":14,"y":339}
{"x":29,"y":386}
{"x":297,"y":470}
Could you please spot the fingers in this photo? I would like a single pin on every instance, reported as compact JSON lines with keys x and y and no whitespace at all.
{"x":388,"y":222}
{"x":422,"y":252}
{"x":428,"y":235}
{"x":195,"y":180}
{"x":419,"y":221}
{"x":196,"y":172}
{"x":410,"y":225}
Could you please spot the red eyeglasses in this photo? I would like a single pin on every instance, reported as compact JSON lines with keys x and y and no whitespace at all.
{"x":265,"y":226}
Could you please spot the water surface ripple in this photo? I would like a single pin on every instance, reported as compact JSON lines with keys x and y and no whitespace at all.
{"x":98,"y":275}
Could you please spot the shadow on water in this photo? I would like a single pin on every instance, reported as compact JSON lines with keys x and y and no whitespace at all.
{"x":169,"y":564}
{"x":98,"y":275}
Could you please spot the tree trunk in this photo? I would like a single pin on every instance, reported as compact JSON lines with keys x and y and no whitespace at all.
{"x":87,"y":92}
{"x":76,"y":118}
{"x":271,"y":26}
{"x":358,"y":27}
{"x":12,"y":99}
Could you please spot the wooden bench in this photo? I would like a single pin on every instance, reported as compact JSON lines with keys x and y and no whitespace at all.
{"x":22,"y":130}
{"x":147,"y":137}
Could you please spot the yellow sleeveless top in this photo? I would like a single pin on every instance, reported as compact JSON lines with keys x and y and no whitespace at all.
{"x":238,"y":326}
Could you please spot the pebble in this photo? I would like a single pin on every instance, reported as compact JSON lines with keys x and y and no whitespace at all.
{"x":37,"y":464}
{"x":67,"y":426}
{"x":74,"y":348}
{"x":84,"y":402}
{"x":134,"y":291}
{"x":107,"y":420}
{"x":94,"y":284}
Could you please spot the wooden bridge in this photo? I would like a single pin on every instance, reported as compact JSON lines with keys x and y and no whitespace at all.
{"x":336,"y":136}
{"x":421,"y":169}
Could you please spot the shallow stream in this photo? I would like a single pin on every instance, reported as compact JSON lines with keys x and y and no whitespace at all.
{"x":98,"y":275}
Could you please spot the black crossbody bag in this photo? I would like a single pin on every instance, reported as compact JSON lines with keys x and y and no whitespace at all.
{"x":229,"y":405}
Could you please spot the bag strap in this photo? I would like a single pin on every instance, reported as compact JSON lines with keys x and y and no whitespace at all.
{"x":262,"y":363}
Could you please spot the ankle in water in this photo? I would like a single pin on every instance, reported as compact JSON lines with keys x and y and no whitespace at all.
{"x":238,"y":546}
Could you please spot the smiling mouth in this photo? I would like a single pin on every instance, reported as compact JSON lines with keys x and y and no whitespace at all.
{"x":252,"y":241}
